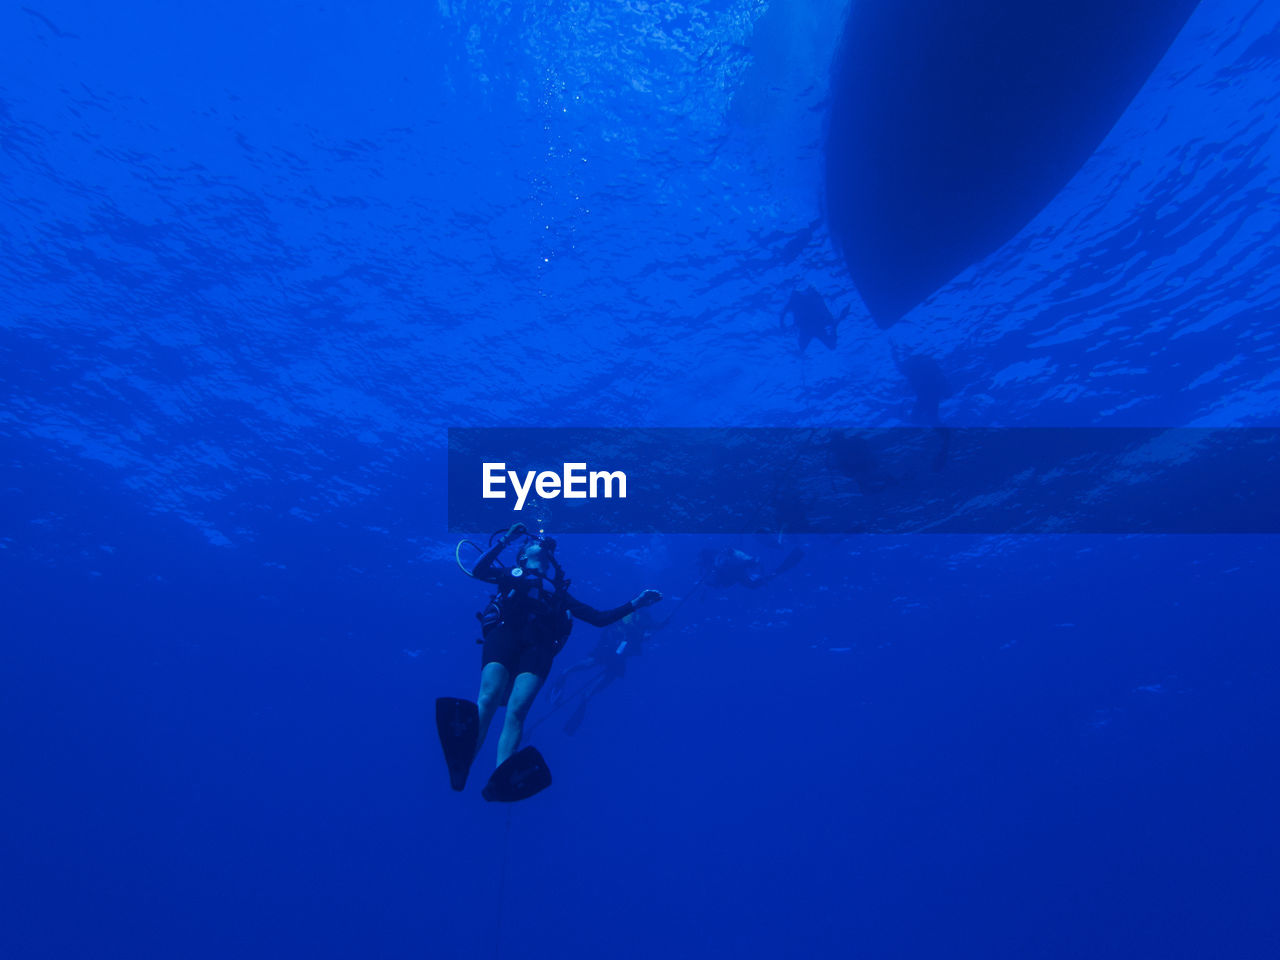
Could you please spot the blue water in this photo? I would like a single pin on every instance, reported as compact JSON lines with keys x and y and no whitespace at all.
{"x":255,"y":260}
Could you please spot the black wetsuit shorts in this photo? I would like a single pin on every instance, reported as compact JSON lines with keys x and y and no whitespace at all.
{"x":520,"y":648}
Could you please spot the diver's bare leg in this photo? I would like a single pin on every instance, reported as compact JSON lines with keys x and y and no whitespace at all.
{"x":493,"y":684}
{"x":523,"y":691}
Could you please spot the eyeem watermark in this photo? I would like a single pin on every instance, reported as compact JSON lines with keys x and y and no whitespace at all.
{"x":894,"y":480}
{"x":575,"y":483}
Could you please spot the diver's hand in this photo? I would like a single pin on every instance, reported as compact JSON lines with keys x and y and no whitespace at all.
{"x":646,"y":599}
{"x":517,"y":529}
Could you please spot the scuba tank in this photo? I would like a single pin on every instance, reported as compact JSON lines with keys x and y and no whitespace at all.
{"x":548,"y":610}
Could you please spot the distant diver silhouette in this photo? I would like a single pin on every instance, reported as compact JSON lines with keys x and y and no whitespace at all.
{"x":930,"y":386}
{"x":852,"y":456}
{"x":813,"y":321}
{"x":728,"y":568}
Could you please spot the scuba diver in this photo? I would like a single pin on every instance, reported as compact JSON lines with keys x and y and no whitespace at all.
{"x":727,"y":568}
{"x":852,"y":455}
{"x":615,"y":647}
{"x":930,"y":385}
{"x":524,"y":626}
{"x":813,"y":321}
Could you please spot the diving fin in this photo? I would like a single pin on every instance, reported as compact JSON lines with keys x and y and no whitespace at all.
{"x":792,"y":558}
{"x":518,"y":777}
{"x":575,"y":719}
{"x":458,"y":723}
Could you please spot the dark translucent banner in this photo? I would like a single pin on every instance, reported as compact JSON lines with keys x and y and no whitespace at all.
{"x":896,"y":480}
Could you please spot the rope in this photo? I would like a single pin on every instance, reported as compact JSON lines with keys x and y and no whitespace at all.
{"x":563,"y":703}
{"x":584,"y":688}
{"x":689,"y":593}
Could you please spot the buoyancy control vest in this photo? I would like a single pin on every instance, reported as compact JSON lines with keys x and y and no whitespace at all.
{"x":532,"y":603}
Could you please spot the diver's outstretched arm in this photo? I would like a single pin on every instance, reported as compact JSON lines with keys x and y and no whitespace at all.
{"x":602,"y":618}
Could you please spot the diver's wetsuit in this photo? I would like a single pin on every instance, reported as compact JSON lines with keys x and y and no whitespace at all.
{"x":727,"y":568}
{"x":527,"y":623}
{"x":606,"y":654}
